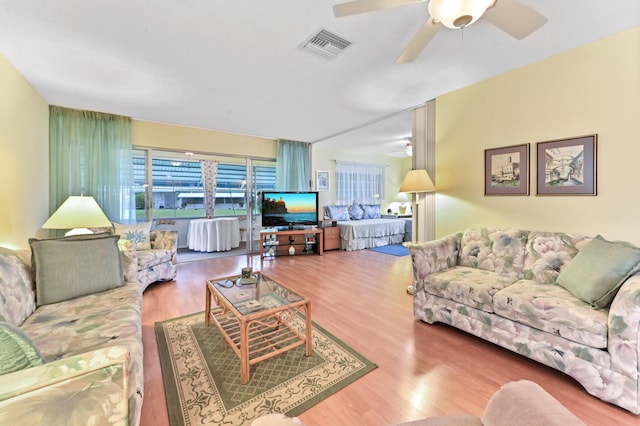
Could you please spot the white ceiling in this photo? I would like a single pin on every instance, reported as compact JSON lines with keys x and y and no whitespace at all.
{"x":236,"y":65}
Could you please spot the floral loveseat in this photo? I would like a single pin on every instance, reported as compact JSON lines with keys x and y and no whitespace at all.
{"x":148,"y":256}
{"x":71,"y":339}
{"x":568,"y":301}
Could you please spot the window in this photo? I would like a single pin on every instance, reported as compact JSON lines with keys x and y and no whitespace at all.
{"x":176,"y":189}
{"x":359,"y":182}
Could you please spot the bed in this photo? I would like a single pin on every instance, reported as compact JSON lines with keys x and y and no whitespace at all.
{"x":362,"y":227}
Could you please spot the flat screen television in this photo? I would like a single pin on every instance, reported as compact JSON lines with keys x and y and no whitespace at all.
{"x":292,"y":210}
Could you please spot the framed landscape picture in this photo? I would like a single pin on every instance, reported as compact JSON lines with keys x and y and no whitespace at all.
{"x":506,"y":170}
{"x":567,"y":166}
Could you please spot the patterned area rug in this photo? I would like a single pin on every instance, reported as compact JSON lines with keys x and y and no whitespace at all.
{"x":202,"y":381}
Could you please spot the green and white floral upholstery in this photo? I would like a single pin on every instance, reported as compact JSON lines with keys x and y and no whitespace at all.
{"x":501,"y":285}
{"x":148,"y":256}
{"x":91,"y":347}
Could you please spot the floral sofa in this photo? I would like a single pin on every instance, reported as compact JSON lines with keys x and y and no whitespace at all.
{"x":70,"y":335}
{"x":361,"y":226}
{"x":569,"y":301}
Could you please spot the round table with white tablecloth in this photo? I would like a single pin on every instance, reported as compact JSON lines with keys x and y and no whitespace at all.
{"x":217,"y":234}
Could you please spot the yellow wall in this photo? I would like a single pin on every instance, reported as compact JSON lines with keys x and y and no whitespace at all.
{"x":591,"y":89}
{"x":324,"y":159}
{"x":24,"y":167}
{"x":171,"y":137}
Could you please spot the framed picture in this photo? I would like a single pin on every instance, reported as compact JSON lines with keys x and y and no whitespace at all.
{"x":567,"y":166}
{"x":506,"y":170}
{"x":322,"y":180}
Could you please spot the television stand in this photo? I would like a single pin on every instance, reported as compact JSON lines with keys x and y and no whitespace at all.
{"x":275,"y":243}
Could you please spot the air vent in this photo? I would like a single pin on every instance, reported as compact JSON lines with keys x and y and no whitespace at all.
{"x":325,"y":45}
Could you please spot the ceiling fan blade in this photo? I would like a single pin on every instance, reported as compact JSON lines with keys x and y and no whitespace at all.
{"x":514,"y":18}
{"x":361,"y":6}
{"x":419,"y":41}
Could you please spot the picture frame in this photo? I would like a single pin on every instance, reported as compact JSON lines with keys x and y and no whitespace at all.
{"x":322,"y":180}
{"x":506,"y":170}
{"x":567,"y":166}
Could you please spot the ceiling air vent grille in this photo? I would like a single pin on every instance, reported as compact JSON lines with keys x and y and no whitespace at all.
{"x":325,"y":45}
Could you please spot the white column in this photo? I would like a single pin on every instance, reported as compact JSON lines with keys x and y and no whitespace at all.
{"x":424,"y":150}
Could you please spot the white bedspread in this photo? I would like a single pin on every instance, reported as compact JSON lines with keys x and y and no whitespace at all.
{"x":367,"y":233}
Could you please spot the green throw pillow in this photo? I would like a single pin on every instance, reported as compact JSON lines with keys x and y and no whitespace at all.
{"x":71,"y":267}
{"x":598,"y":270}
{"x":17,"y":351}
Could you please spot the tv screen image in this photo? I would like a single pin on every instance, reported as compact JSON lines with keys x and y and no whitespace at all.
{"x":289,"y":209}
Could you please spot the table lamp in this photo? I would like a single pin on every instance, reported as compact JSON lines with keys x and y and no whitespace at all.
{"x":416,"y":182}
{"x":402,"y":198}
{"x":78,"y":213}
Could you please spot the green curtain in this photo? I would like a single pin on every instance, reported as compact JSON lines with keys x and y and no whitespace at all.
{"x":292,"y":166}
{"x":90,"y":154}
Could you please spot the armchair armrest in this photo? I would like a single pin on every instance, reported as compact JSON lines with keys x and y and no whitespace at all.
{"x":129,"y":264}
{"x":624,"y":328}
{"x":69,"y":391}
{"x":165,"y":239}
{"x":434,"y":256}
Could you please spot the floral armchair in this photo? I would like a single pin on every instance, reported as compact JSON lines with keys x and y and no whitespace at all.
{"x":147,"y":256}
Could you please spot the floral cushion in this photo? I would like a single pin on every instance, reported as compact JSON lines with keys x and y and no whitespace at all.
{"x":470,"y":286}
{"x":497,"y":250}
{"x":553,"y":309}
{"x":356,"y":212}
{"x":338,"y":212}
{"x":17,"y":293}
{"x":138,"y":234}
{"x":548,"y":252}
{"x":371,"y":211}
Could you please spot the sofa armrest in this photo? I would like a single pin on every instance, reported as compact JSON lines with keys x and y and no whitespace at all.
{"x":129,"y":264}
{"x":167,"y":240}
{"x":69,"y":391}
{"x":624,"y":328}
{"x":434,"y":256}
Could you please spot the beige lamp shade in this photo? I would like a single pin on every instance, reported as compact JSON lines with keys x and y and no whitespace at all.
{"x":417,"y":181}
{"x":78,"y":212}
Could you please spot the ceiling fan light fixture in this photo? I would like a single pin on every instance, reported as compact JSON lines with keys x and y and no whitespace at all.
{"x":456,"y":14}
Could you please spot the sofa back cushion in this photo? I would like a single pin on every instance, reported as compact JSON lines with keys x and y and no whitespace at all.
{"x":70,"y":267}
{"x":17,"y":291}
{"x":496,"y":250}
{"x":337,"y":212}
{"x":548,"y":252}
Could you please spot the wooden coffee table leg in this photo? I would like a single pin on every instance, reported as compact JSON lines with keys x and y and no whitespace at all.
{"x":244,"y":352}
{"x":207,"y":305}
{"x":307,"y":331}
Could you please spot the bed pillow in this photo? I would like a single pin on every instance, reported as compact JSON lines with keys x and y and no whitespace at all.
{"x":17,"y":351}
{"x":71,"y":267}
{"x":355,"y":211}
{"x":596,"y":273}
{"x":134,"y":236}
{"x":371,"y":211}
{"x":338,"y":212}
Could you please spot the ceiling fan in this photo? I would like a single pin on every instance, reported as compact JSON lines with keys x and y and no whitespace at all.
{"x":511,"y":16}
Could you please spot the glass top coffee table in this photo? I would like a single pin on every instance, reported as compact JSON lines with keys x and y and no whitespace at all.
{"x":257,"y":318}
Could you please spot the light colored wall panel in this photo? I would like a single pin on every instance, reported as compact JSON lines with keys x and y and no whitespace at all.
{"x":592,"y":89}
{"x":24,"y":165}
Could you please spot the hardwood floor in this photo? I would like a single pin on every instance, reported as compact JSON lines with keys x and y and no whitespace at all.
{"x":423,"y":370}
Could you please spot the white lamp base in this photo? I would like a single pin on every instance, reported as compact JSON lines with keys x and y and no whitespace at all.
{"x":78,"y":231}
